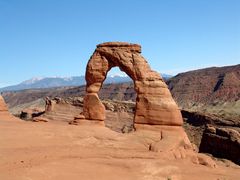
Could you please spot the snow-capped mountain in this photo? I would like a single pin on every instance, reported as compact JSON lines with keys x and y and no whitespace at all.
{"x":32,"y":81}
{"x":49,"y":82}
{"x":118,"y":75}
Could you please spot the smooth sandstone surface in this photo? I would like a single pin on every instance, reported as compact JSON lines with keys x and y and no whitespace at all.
{"x":57,"y":151}
{"x":90,"y":151}
{"x":154,"y":103}
{"x":93,"y":107}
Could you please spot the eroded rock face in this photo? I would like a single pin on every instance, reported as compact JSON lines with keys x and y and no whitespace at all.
{"x":93,"y":108}
{"x":154,"y":103}
{"x":221,"y":142}
{"x":3,"y":106}
{"x":4,"y":113}
{"x":62,"y":109}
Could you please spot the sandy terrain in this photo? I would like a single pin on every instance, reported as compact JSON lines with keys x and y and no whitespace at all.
{"x":58,"y":151}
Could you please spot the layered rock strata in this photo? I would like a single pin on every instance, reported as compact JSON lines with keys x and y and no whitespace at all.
{"x":62,"y":109}
{"x":221,"y":142}
{"x":154,"y":103}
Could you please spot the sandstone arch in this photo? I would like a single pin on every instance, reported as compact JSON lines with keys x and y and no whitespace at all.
{"x":154,"y":103}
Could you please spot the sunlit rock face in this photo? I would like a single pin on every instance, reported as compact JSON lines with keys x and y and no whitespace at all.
{"x":154,"y":103}
{"x":3,"y":106}
{"x":4,"y":113}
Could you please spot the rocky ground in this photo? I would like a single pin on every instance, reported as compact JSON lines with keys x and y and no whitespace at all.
{"x":53,"y":149}
{"x":119,"y":118}
{"x":56,"y":150}
{"x":212,"y":125}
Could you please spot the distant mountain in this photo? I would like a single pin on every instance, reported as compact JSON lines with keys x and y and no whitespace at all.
{"x":206,"y":86}
{"x":49,"y":82}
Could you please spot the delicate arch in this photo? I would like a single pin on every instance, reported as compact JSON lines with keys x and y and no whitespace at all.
{"x":154,"y":103}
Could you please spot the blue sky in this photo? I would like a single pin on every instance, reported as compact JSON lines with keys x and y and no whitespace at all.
{"x":57,"y":37}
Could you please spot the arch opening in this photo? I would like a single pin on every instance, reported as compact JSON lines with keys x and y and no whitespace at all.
{"x":118,"y":96}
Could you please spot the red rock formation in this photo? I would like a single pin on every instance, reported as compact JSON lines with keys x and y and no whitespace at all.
{"x":3,"y":106}
{"x":4,"y":113}
{"x":94,"y":109}
{"x":61,"y":109}
{"x":206,"y":86}
{"x":154,"y":103}
{"x":221,"y":142}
